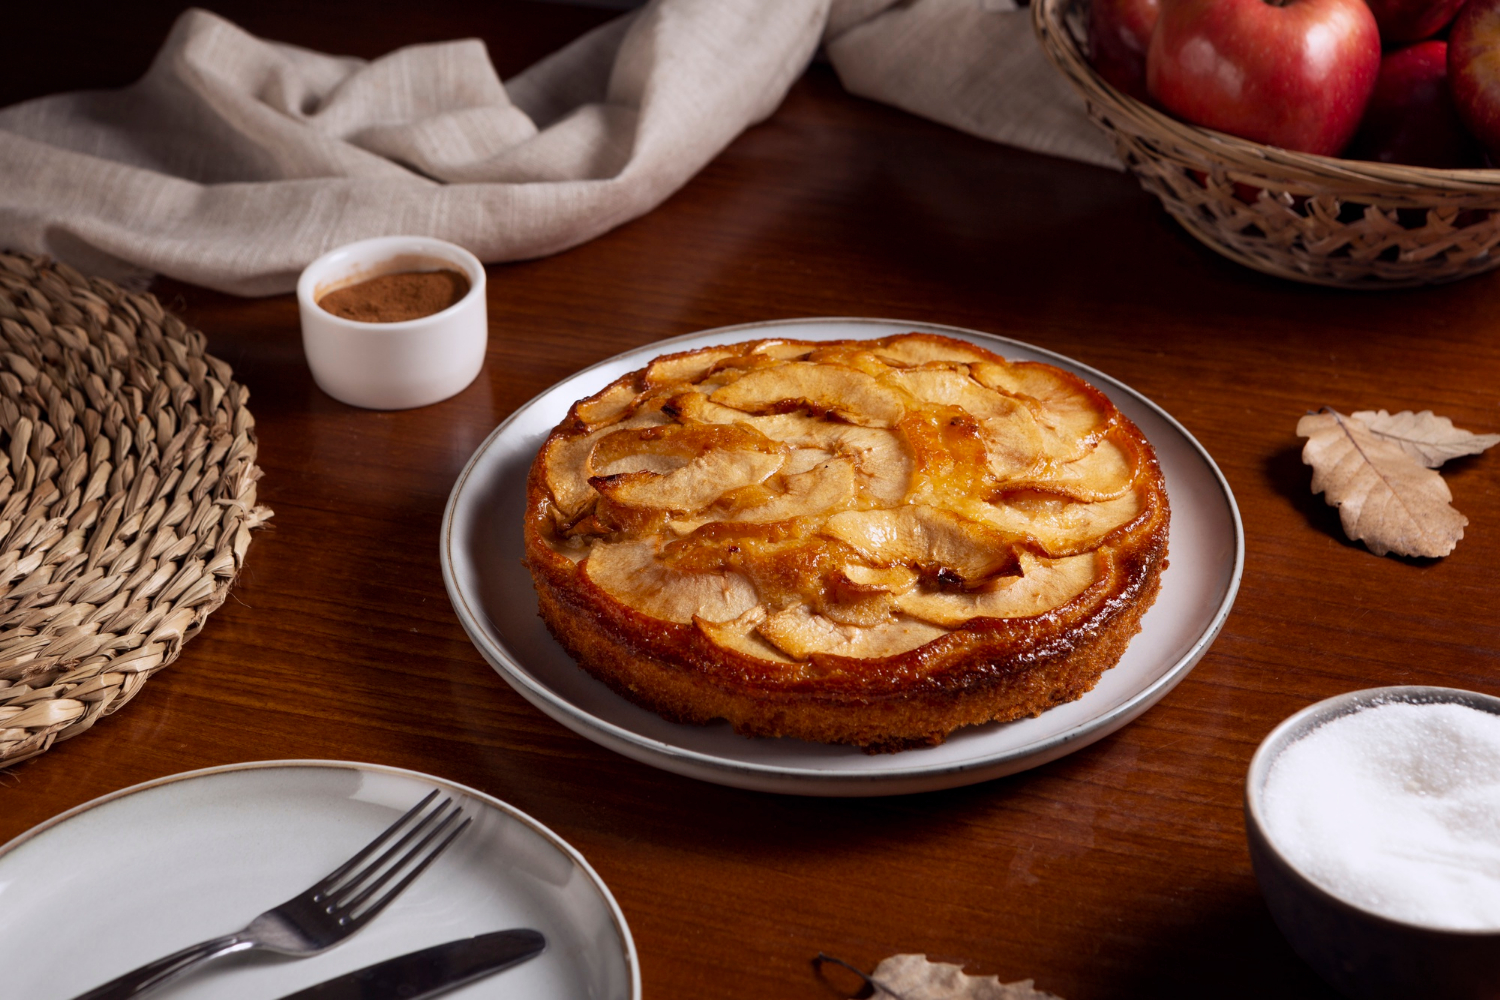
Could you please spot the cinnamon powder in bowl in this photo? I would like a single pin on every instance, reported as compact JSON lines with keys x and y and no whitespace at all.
{"x":396,"y":298}
{"x":394,"y":322}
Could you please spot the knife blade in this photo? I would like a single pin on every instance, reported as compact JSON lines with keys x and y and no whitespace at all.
{"x":431,"y":971}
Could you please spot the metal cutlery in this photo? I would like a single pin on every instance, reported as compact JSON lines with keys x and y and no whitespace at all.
{"x":426,"y":973}
{"x":327,"y":912}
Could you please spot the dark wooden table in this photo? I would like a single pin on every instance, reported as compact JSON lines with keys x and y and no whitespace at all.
{"x":1118,"y":871}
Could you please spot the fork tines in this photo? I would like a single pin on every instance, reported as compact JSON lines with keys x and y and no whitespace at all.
{"x":350,"y":891}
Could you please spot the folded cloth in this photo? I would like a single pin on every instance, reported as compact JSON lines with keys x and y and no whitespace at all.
{"x":972,"y":64}
{"x":235,"y":161}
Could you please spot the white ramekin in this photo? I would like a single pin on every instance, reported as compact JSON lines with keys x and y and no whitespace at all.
{"x":393,"y":366}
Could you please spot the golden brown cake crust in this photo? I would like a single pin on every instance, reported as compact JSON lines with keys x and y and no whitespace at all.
{"x":707,"y":606}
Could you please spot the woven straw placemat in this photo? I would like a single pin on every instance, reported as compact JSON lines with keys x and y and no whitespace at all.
{"x":127,"y":495}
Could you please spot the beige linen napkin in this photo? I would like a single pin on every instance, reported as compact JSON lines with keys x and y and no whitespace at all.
{"x":235,"y":161}
{"x":971,"y":64}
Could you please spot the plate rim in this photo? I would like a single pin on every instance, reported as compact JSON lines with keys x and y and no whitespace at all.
{"x":860,"y":783}
{"x":616,"y":915}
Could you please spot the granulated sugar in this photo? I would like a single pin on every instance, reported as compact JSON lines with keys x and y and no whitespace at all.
{"x":1396,"y":809}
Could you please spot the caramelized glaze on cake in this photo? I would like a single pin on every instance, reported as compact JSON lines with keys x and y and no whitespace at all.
{"x":863,"y":542}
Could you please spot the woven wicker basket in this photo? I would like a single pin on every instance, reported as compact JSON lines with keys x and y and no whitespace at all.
{"x":1346,"y":223}
{"x":127,"y":495}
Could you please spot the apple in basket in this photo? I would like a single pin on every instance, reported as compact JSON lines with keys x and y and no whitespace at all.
{"x":1119,"y":34}
{"x":1474,"y":69}
{"x":1289,"y":73}
{"x":1411,"y":117}
{"x":1412,"y":20}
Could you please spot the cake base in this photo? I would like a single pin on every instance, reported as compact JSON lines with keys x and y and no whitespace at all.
{"x":922,"y":714}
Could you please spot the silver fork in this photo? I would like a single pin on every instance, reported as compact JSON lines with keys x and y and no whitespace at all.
{"x":348,"y":898}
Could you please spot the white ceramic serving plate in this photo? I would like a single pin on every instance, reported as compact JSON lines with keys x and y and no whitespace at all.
{"x":138,"y":874}
{"x":492,"y":593}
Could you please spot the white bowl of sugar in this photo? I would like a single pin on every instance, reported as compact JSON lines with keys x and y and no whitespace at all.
{"x":1373,"y":820}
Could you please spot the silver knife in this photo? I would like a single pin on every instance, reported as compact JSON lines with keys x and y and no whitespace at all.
{"x":431,"y":971}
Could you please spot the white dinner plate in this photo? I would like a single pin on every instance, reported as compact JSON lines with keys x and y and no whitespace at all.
{"x":491,"y":591}
{"x":141,"y":873}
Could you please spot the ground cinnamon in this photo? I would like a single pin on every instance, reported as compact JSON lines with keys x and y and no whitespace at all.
{"x":393,"y":298}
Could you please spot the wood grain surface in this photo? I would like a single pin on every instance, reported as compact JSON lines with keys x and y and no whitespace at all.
{"x":1118,"y":871}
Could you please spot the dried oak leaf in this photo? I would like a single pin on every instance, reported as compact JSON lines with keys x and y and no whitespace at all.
{"x":912,"y":977}
{"x":1425,"y":436}
{"x":1386,"y":497}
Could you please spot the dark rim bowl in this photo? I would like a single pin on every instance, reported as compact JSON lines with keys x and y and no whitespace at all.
{"x":1361,"y":953}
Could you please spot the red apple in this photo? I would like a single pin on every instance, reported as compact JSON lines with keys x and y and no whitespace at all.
{"x":1289,"y":73}
{"x":1119,"y":34}
{"x":1411,"y":118}
{"x":1474,"y":69}
{"x":1411,"y":20}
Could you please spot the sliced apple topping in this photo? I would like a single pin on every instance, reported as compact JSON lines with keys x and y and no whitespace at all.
{"x":951,"y":387}
{"x":820,"y":491}
{"x":949,"y":457}
{"x":781,"y":350}
{"x":648,"y":445}
{"x":1044,"y":585}
{"x":1057,"y":525}
{"x":787,"y":562}
{"x":563,"y":459}
{"x":692,"y":487}
{"x":689,"y":366}
{"x":557,"y":531}
{"x":891,"y":579}
{"x":1007,"y":426}
{"x":863,"y":595}
{"x":608,"y":406}
{"x":565,"y":462}
{"x":659,"y":463}
{"x":741,"y":636}
{"x":572,"y":549}
{"x":1104,"y":473}
{"x":1072,"y":415}
{"x":681,"y":468}
{"x":823,"y":388}
{"x":630,"y":572}
{"x":882,"y":463}
{"x":806,"y":460}
{"x":852,"y":357}
{"x":726,"y":370}
{"x":681,"y":527}
{"x":851,"y":606}
{"x":694,"y":408}
{"x":878,"y":493}
{"x":925,"y":348}
{"x":800,"y":633}
{"x":1013,"y":445}
{"x":797,"y":430}
{"x":924,"y":538}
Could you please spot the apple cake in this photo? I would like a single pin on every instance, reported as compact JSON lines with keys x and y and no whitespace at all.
{"x":869,"y":542}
